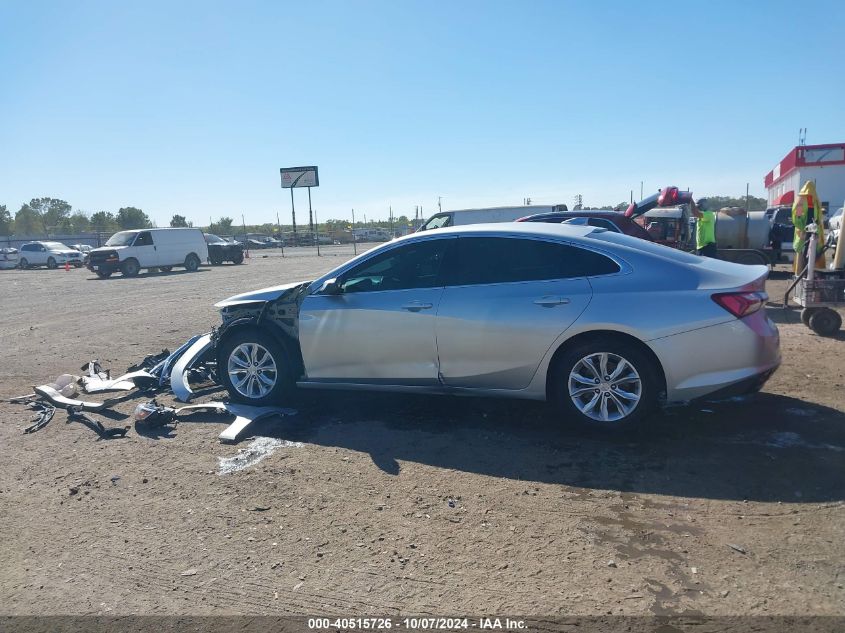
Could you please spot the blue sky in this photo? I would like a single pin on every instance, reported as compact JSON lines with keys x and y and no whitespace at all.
{"x":192,"y":107}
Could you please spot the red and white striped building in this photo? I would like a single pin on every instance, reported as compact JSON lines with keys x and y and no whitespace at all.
{"x":825,"y":164}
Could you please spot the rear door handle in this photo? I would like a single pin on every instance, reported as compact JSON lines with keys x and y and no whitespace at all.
{"x":550,"y":301}
{"x":416,"y":306}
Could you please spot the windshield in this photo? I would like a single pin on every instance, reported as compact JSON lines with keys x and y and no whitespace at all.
{"x":437,"y":222}
{"x":56,"y":246}
{"x":124,"y":238}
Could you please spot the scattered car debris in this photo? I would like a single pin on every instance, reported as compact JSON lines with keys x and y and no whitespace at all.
{"x":153,"y":415}
{"x":126,"y":382}
{"x":47,"y":391}
{"x":77,"y":414}
{"x":179,"y":375}
{"x":246,"y":415}
{"x":737,"y":548}
{"x":164,"y":368}
{"x":150,"y":361}
{"x":42,"y":418}
{"x":65,"y":385}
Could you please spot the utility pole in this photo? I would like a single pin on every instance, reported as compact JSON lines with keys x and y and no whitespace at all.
{"x":746,"y":197}
{"x":317,"y":233}
{"x":281,"y":235}
{"x":354,"y":245}
{"x":641,"y":190}
{"x":439,"y":207}
{"x":310,"y":213}
{"x":293,"y":215}
{"x":246,"y":241}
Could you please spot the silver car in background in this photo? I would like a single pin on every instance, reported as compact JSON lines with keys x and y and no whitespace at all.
{"x":603,"y":325}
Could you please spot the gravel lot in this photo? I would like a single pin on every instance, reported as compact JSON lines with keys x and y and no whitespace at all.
{"x":404,"y":504}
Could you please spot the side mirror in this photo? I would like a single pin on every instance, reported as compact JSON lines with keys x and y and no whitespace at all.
{"x":331,"y":287}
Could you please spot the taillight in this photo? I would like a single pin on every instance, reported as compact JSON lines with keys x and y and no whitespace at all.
{"x":741,"y":304}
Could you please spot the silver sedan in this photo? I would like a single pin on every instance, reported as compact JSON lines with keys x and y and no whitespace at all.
{"x":603,"y":325}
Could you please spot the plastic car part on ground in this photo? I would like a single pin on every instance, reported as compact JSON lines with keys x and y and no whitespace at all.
{"x":152,"y":414}
{"x":76,"y":414}
{"x":126,"y":382}
{"x":51,"y":394}
{"x":164,"y":368}
{"x":179,"y":375}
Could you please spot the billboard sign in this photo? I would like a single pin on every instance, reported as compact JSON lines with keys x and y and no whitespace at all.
{"x":299,"y":177}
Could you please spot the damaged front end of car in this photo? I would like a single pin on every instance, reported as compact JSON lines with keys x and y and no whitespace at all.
{"x":274,"y":310}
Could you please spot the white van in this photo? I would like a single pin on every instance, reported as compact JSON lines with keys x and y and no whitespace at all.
{"x":130,"y":251}
{"x":461,"y":217}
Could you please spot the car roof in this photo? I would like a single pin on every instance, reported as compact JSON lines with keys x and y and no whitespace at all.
{"x":537,"y":229}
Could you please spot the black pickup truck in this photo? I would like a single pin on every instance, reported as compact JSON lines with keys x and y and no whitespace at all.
{"x":220,"y":250}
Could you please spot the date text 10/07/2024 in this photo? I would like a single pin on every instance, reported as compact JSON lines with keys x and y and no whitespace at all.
{"x":417,"y":624}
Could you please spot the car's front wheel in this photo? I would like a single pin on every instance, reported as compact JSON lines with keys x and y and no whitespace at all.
{"x":130,"y":268}
{"x":23,"y":263}
{"x":254,"y":367}
{"x":51,"y":263}
{"x":606,"y":385}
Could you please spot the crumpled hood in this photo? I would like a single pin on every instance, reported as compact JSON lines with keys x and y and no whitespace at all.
{"x":265,"y":294}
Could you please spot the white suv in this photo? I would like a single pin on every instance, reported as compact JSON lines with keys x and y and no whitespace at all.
{"x":49,"y":254}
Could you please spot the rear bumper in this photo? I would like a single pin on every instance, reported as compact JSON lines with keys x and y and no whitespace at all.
{"x":731,"y":358}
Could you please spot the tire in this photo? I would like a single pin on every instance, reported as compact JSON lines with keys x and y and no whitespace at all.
{"x":77,"y":265}
{"x":165,"y":269}
{"x":103,"y":274}
{"x":23,"y":263}
{"x":130,"y":268}
{"x":235,"y":357}
{"x":238,"y":258}
{"x":599,"y":405}
{"x":51,"y":263}
{"x":825,"y":322}
{"x":192,"y":263}
{"x":215,"y":261}
{"x":806,"y":313}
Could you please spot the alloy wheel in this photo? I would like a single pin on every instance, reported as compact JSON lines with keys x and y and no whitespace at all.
{"x":252,"y":370}
{"x":605,"y":387}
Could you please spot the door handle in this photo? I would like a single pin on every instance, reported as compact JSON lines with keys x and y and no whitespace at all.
{"x":416,"y":306}
{"x":551,"y":301}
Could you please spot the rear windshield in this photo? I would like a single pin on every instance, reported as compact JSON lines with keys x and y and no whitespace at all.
{"x":55,"y":245}
{"x":644,"y":245}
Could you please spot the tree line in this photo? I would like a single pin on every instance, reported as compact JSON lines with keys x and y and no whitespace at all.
{"x":42,"y":216}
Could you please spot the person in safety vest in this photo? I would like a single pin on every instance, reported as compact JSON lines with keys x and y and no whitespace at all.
{"x":705,"y":228}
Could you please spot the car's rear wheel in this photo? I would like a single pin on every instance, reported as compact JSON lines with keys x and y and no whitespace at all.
{"x":130,"y":268}
{"x":103,"y":274}
{"x":192,"y":263}
{"x":607,"y":385}
{"x":254,"y":367}
{"x":51,"y":263}
{"x":23,"y":263}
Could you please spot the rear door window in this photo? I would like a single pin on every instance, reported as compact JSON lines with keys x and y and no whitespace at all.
{"x":495,"y":260}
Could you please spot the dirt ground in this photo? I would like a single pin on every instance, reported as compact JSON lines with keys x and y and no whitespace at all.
{"x":381,"y":505}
